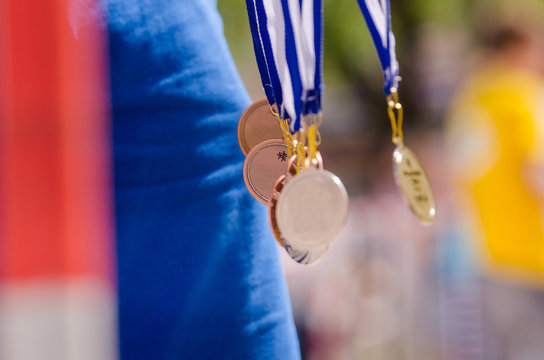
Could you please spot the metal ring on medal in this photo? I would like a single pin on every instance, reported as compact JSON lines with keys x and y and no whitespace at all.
{"x":264,"y":164}
{"x":413,"y":183}
{"x":256,"y":125}
{"x":312,"y":209}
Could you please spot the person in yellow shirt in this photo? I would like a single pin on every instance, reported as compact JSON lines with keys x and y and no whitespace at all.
{"x":495,"y":140}
{"x":496,"y":143}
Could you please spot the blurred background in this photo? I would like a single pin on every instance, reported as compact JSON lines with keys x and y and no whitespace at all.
{"x":470,"y":285}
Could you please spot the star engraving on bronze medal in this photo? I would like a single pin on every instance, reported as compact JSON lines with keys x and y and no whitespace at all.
{"x":282,"y":155}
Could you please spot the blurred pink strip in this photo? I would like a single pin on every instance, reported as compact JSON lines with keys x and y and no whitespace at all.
{"x":57,"y":283}
{"x":55,"y":144}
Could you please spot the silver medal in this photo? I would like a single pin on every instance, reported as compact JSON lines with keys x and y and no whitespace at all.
{"x":312,"y":209}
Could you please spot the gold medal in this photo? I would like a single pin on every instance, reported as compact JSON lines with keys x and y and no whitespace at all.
{"x":256,"y":125}
{"x":264,"y":164}
{"x":409,"y":175}
{"x":413,"y":183}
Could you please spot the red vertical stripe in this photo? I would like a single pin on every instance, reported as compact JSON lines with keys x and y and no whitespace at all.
{"x":55,"y":198}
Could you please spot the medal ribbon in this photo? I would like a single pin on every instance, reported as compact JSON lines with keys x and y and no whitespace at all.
{"x":287,"y":39}
{"x":260,"y":56}
{"x":268,"y":41}
{"x":377,"y":14}
{"x":304,"y":38}
{"x":409,"y":174}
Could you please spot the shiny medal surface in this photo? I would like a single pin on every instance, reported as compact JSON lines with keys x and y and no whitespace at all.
{"x":256,"y":125}
{"x":278,"y":186}
{"x":264,"y":164}
{"x":413,"y":183}
{"x":311,"y":210}
{"x":276,"y":190}
{"x":302,"y":256}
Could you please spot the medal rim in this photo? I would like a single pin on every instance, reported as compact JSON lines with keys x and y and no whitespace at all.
{"x":308,"y":256}
{"x":278,"y":185}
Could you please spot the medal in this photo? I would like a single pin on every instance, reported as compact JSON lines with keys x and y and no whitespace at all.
{"x":278,"y":186}
{"x":312,"y":206}
{"x":302,"y":256}
{"x":264,"y":164}
{"x":256,"y":125}
{"x":409,"y":175}
{"x":307,"y":204}
{"x":413,"y":183}
{"x":276,"y":190}
{"x":312,"y":209}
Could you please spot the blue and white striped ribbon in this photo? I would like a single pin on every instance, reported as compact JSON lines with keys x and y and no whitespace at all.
{"x":289,"y":46}
{"x":377,"y":14}
{"x":260,"y":56}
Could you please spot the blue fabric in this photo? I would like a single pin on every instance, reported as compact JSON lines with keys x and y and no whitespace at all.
{"x":199,"y":274}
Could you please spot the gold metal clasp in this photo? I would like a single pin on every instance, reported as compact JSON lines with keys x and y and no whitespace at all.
{"x":287,"y":137}
{"x":395,"y":112}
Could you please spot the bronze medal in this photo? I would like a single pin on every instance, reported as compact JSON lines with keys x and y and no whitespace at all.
{"x":264,"y":164}
{"x":256,"y":125}
{"x":413,"y":184}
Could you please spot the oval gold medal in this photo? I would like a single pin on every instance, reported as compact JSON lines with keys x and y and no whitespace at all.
{"x":414,"y":184}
